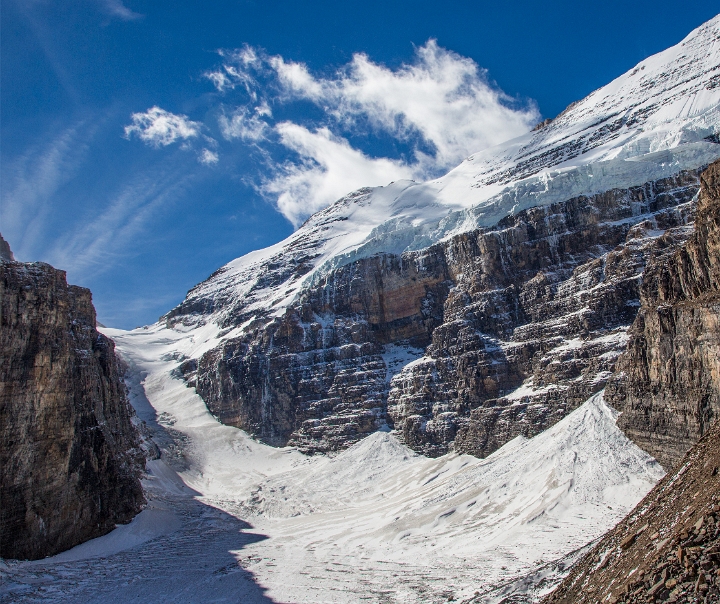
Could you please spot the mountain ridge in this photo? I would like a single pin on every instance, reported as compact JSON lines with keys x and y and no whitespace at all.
{"x":515,"y":277}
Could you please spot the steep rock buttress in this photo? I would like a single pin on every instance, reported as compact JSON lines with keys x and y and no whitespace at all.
{"x":668,"y":381}
{"x":69,"y":456}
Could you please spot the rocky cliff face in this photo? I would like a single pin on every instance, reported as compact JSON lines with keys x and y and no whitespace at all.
{"x":536,"y":318}
{"x":69,"y":457}
{"x":519,"y":324}
{"x":668,"y":381}
{"x":668,"y":548}
{"x":465,"y":311}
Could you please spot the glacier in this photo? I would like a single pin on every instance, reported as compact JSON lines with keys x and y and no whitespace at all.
{"x":379,"y":521}
{"x":375,"y":522}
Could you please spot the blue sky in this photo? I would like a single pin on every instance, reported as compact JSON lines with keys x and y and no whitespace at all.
{"x":145,"y":143}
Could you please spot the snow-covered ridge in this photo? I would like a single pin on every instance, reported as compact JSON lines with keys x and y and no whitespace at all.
{"x":661,"y":117}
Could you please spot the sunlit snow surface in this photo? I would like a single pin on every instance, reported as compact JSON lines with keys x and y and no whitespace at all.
{"x":376,"y":522}
{"x":230,"y":519}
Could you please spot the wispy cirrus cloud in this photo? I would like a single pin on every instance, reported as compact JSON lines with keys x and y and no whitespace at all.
{"x":31,"y":181}
{"x":94,"y":246}
{"x":115,"y":8}
{"x":246,"y":124}
{"x":37,"y":194}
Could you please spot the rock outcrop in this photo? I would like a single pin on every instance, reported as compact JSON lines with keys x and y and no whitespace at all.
{"x":667,"y":549}
{"x":6,"y":254}
{"x":464,"y":311}
{"x":668,"y":381}
{"x":667,"y":385}
{"x":69,"y":456}
{"x":536,"y":318}
{"x":518,"y":324}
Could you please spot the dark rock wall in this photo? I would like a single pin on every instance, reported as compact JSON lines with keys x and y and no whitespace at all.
{"x":546,"y":295}
{"x":542,"y":299}
{"x":316,"y":376}
{"x":668,"y":382}
{"x":6,"y":254}
{"x":69,"y":457}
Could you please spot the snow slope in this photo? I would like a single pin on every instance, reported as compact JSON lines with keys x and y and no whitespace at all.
{"x":649,"y":123}
{"x":376,"y":522}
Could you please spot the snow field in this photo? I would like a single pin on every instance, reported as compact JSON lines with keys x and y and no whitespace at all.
{"x":228,"y":515}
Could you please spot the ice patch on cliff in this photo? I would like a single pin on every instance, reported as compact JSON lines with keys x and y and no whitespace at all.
{"x":397,"y":357}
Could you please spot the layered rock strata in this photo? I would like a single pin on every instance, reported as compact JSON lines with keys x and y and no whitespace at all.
{"x":668,"y":381}
{"x":517,"y":324}
{"x":536,"y":319}
{"x":469,"y":309}
{"x":667,"y":549}
{"x":69,"y":456}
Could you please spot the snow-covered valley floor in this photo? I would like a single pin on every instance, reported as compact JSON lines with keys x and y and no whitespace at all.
{"x":232,"y":520}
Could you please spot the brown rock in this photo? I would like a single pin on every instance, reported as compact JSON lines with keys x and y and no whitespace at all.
{"x":668,"y":382}
{"x":69,"y":457}
{"x":492,"y":309}
{"x":683,"y":504}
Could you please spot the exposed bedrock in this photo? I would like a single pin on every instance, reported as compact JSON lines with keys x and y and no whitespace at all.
{"x":69,"y":456}
{"x":317,"y":376}
{"x":668,"y":381}
{"x":536,"y":319}
{"x":516,"y":324}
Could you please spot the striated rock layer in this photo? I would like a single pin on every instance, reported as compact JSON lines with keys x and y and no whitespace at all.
{"x":536,"y":317}
{"x":69,"y":457}
{"x":668,"y":548}
{"x":473,"y":308}
{"x":542,"y":299}
{"x":668,"y":382}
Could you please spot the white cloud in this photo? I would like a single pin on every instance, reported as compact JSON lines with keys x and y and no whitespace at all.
{"x":30,"y":184}
{"x":220,"y":79}
{"x":158,"y":127}
{"x":93,"y":246}
{"x":444,"y":98}
{"x":297,"y":79}
{"x":329,"y":168}
{"x":117,"y":9}
{"x":246,"y":124}
{"x":236,"y":70}
{"x":208,"y":157}
{"x":440,"y":106}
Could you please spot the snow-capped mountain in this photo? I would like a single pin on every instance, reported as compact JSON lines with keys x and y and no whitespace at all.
{"x":659,"y":118}
{"x":448,"y":344}
{"x":470,"y":309}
